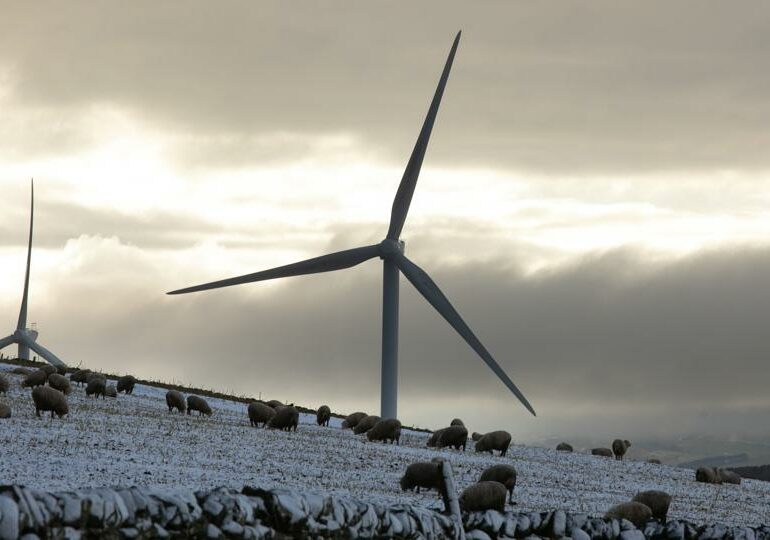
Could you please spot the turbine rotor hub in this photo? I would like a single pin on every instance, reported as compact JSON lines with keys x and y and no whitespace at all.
{"x":389,"y":248}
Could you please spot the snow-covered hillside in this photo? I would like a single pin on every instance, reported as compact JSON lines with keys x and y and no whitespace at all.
{"x":134,"y":440}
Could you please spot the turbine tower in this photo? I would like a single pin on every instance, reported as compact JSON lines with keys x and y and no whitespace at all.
{"x":391,"y":251}
{"x":23,"y":336}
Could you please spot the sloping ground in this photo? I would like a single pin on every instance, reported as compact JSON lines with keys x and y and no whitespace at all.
{"x":760,"y":472}
{"x":133,"y":440}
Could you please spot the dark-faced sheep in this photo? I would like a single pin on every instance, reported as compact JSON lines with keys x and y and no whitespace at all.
{"x":657,"y":501}
{"x":5,"y":411}
{"x":434,"y":437}
{"x":175,"y":400}
{"x":4,"y":384}
{"x":197,"y":403}
{"x":365,"y":424}
{"x":49,"y":369}
{"x":260,"y":413}
{"x":423,"y":475}
{"x":110,"y":391}
{"x":274,"y":403}
{"x":36,"y":378}
{"x":483,"y":496}
{"x":80,"y":376}
{"x":60,"y":383}
{"x":126,"y":384}
{"x":604,"y":452}
{"x":456,"y":422}
{"x":505,"y":474}
{"x":619,"y":448}
{"x":564,"y":447}
{"x":352,"y":420}
{"x":386,"y":430}
{"x":729,"y":477}
{"x":323,"y":415}
{"x":285,"y":418}
{"x":635,"y":512}
{"x":707,"y":475}
{"x":49,"y":399}
{"x":475,"y":436}
{"x":21,"y":371}
{"x":454,"y":436}
{"x":494,"y":440}
{"x":96,"y":386}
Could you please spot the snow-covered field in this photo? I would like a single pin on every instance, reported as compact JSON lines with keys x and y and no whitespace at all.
{"x":134,"y":440}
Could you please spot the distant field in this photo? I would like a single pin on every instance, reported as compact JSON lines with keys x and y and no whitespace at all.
{"x":134,"y":440}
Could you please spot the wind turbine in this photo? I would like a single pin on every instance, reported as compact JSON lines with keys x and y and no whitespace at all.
{"x":391,"y":251}
{"x":23,"y":336}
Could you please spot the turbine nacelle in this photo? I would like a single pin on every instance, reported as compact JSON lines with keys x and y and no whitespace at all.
{"x":26,"y":334}
{"x":388,"y":249}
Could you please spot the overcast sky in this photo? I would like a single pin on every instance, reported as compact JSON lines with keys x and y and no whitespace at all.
{"x":594,"y":201}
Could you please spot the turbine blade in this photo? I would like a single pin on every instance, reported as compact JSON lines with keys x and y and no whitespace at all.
{"x":45,"y":353}
{"x":428,"y":288}
{"x":324,"y":263}
{"x":22,"y":324}
{"x":408,"y":182}
{"x":8,"y":340}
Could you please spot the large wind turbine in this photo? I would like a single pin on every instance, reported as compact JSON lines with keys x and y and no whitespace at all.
{"x":391,"y":251}
{"x":23,"y":336}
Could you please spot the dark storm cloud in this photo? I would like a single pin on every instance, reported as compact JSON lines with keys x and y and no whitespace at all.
{"x":568,"y":87}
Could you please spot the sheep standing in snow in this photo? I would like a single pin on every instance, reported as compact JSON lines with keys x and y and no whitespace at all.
{"x":80,"y":376}
{"x":126,"y":384}
{"x":49,"y":399}
{"x":619,"y":448}
{"x":49,"y":369}
{"x":352,"y":420}
{"x":423,"y":475}
{"x":260,"y":413}
{"x":728,"y":477}
{"x":475,"y":436}
{"x":5,"y":411}
{"x":604,"y":452}
{"x":456,"y":422}
{"x":564,"y":447}
{"x":387,"y":430}
{"x":274,"y":403}
{"x":505,"y":474}
{"x":96,"y":386}
{"x":197,"y":403}
{"x":60,"y":383}
{"x":285,"y":418}
{"x":4,"y":384}
{"x":454,"y":436}
{"x":483,"y":496}
{"x":36,"y":378}
{"x":322,"y":415}
{"x":175,"y":400}
{"x":635,"y":512}
{"x":657,"y":501}
{"x":365,"y":424}
{"x":494,"y":440}
{"x":707,"y":475}
{"x":434,"y":437}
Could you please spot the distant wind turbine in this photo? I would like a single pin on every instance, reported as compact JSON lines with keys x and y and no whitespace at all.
{"x":391,"y":251}
{"x":23,"y":336}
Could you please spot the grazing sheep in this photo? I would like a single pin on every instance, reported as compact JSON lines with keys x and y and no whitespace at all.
{"x":60,"y":383}
{"x":176,"y":400}
{"x":126,"y":384}
{"x":352,"y":420}
{"x":456,"y":422}
{"x":197,"y":403}
{"x":90,"y":376}
{"x":4,"y":384}
{"x":454,"y":436}
{"x":49,"y":399}
{"x":564,"y":447}
{"x":274,"y":403}
{"x":487,"y":495}
{"x":434,"y":437}
{"x":494,"y":440}
{"x":49,"y":369}
{"x":729,"y":477}
{"x":5,"y":411}
{"x":707,"y":475}
{"x":365,"y":424}
{"x":259,"y":413}
{"x":388,"y":429}
{"x":423,"y":475}
{"x":657,"y":501}
{"x":80,"y":376}
{"x":36,"y":378}
{"x":655,"y":461}
{"x":635,"y":512}
{"x":475,"y":436}
{"x":21,"y":371}
{"x":61,"y":370}
{"x":96,"y":386}
{"x":604,"y":452}
{"x":110,"y":391}
{"x":322,"y":415}
{"x":619,"y":448}
{"x":505,"y":474}
{"x":285,"y":418}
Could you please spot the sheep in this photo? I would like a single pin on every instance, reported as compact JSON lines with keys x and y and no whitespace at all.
{"x":475,"y":436}
{"x":494,"y":440}
{"x":619,"y":448}
{"x":96,"y":386}
{"x":21,"y":371}
{"x":564,"y":447}
{"x":505,"y":474}
{"x":259,"y":413}
{"x":197,"y":403}
{"x":274,"y":403}
{"x":80,"y":376}
{"x":49,"y":399}
{"x":36,"y":378}
{"x":60,"y":383}
{"x":90,"y":376}
{"x":110,"y":391}
{"x":483,"y":496}
{"x":352,"y":420}
{"x":423,"y":475}
{"x":365,"y":424}
{"x":434,"y":437}
{"x":654,"y":461}
{"x":388,"y":429}
{"x":5,"y":411}
{"x":61,"y":370}
{"x":175,"y":400}
{"x":708,"y":475}
{"x":454,"y":436}
{"x":285,"y":418}
{"x":658,"y":501}
{"x":604,"y":452}
{"x":49,"y":369}
{"x":322,"y":415}
{"x":728,"y":477}
{"x":635,"y":512}
{"x":4,"y":384}
{"x":126,"y":384}
{"x":456,"y":422}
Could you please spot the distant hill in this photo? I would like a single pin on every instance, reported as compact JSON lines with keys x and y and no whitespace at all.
{"x":716,"y":461}
{"x":759,"y":472}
